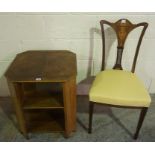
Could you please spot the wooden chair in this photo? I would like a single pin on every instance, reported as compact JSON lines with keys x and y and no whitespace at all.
{"x":117,"y":87}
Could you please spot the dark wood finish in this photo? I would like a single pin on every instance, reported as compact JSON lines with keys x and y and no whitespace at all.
{"x":73,"y":101}
{"x":15,"y":90}
{"x":45,"y":120}
{"x":69,"y":91}
{"x":28,"y":77}
{"x":122,"y":28}
{"x":28,"y":66}
{"x":43,"y":100}
{"x":91,"y":109}
{"x":140,"y":122}
{"x":42,"y":96}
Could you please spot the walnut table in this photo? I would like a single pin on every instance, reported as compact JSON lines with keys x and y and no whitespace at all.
{"x":43,"y":88}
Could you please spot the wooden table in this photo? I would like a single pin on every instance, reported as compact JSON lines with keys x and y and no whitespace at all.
{"x":43,"y":88}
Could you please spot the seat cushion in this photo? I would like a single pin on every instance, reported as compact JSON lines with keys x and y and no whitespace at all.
{"x":119,"y":87}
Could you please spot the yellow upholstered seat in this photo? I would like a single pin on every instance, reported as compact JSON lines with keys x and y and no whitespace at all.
{"x":118,"y":87}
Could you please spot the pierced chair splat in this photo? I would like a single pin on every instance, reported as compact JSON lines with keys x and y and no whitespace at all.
{"x":117,"y":87}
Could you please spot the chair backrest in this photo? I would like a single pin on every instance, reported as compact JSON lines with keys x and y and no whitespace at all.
{"x":122,"y":28}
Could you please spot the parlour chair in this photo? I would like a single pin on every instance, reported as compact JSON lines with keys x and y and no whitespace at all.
{"x":117,"y":87}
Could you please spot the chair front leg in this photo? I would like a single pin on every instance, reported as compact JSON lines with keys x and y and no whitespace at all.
{"x":91,"y":109}
{"x":140,"y":122}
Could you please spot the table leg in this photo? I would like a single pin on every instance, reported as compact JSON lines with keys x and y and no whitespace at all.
{"x":73,"y":102}
{"x":69,"y":92}
{"x":16,"y":94}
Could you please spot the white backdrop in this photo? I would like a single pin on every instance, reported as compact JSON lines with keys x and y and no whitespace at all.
{"x":80,"y":33}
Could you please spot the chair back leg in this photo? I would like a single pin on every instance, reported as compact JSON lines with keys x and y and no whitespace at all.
{"x":91,"y":109}
{"x":140,"y":122}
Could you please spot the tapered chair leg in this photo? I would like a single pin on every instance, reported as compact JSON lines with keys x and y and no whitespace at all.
{"x":140,"y":122}
{"x":91,"y":109}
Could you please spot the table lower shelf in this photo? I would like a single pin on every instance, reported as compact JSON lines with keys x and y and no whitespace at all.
{"x":45,"y":121}
{"x":43,"y":100}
